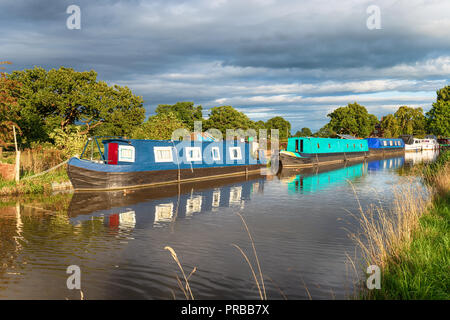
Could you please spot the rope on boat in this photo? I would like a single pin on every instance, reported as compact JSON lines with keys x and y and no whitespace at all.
{"x":44,"y":172}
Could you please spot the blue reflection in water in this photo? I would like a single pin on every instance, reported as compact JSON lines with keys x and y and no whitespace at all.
{"x":383,"y":164}
{"x":134,"y":210}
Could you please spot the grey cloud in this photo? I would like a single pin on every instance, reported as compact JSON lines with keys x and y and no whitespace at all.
{"x":238,"y":50}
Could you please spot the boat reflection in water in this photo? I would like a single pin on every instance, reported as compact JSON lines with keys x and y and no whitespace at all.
{"x":384,"y":164}
{"x":149,"y":207}
{"x":423,"y":156}
{"x":320,"y":178}
{"x":316,"y":179}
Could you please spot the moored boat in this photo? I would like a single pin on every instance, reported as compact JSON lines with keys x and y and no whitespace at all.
{"x":310,"y":151}
{"x":444,"y":143}
{"x":385,"y":146}
{"x":416,"y":144}
{"x":129,"y":163}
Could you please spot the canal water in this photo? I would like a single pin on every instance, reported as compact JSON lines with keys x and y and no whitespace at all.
{"x":300,"y":222}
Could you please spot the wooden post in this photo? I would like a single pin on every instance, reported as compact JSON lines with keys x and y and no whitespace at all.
{"x":17,"y":175}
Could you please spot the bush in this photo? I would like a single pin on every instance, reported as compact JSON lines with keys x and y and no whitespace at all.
{"x":70,"y":141}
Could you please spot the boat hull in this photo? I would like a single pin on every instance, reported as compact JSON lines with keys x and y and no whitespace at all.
{"x":85,"y":179}
{"x":309,"y":160}
{"x":385,"y":151}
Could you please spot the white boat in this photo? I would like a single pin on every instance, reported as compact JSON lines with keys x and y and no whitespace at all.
{"x":422,"y":144}
{"x":430,"y":144}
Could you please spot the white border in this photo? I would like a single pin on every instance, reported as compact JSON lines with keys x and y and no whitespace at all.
{"x":131,"y":148}
{"x":218,"y":153}
{"x":239,"y":156}
{"x":157,"y":159}
{"x":188,"y":150}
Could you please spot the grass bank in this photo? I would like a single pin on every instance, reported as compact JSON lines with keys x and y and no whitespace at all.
{"x":411,"y":243}
{"x":33,"y":161}
{"x":38,"y":185}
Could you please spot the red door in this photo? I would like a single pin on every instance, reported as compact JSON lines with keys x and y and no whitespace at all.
{"x":113,"y":153}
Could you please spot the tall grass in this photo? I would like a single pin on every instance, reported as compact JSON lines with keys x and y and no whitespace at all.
{"x":259,"y":282}
{"x":39,"y":159}
{"x":186,"y":288}
{"x":386,"y":231}
{"x":410,"y":243}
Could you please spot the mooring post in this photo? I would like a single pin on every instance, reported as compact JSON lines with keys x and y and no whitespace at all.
{"x":17,"y":171}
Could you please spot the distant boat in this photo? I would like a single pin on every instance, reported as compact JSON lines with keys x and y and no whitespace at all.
{"x":310,"y":151}
{"x":384,"y":146}
{"x":415,"y":144}
{"x":444,"y":143}
{"x":130,"y":163}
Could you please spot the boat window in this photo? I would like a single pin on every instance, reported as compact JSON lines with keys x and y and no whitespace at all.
{"x":390,"y":143}
{"x":163,"y":154}
{"x":126,"y":153}
{"x":318,"y":146}
{"x":235,"y":153}
{"x":193,"y":153}
{"x":215,"y":153}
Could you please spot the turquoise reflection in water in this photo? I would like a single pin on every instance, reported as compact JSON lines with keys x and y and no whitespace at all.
{"x":320,"y":181}
{"x":307,"y":184}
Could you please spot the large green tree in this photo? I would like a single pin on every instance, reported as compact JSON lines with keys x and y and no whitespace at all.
{"x":158,"y":127}
{"x":411,"y":120}
{"x":305,"y":132}
{"x":325,"y":132}
{"x":439,"y":115}
{"x":185,"y":111}
{"x":62,"y":97}
{"x":352,"y":119}
{"x":9,"y":91}
{"x":390,"y":127}
{"x":226,"y":117}
{"x":283,"y":126}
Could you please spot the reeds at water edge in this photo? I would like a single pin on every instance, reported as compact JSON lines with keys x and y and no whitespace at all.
{"x":410,"y":241}
{"x":384,"y":232}
{"x":186,"y":289}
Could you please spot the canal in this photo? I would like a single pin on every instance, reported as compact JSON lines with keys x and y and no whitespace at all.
{"x":300,"y":222}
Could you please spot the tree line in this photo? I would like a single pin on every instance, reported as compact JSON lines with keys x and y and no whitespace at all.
{"x":58,"y":105}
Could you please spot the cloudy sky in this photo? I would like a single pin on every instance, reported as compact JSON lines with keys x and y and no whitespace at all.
{"x":299,"y":59}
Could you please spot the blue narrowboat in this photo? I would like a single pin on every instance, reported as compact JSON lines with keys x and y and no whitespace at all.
{"x":384,"y":146}
{"x":129,"y":163}
{"x":310,"y":151}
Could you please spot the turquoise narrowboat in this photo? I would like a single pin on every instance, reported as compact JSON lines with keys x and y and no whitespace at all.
{"x":310,"y":151}
{"x":129,"y":163}
{"x":385,"y":146}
